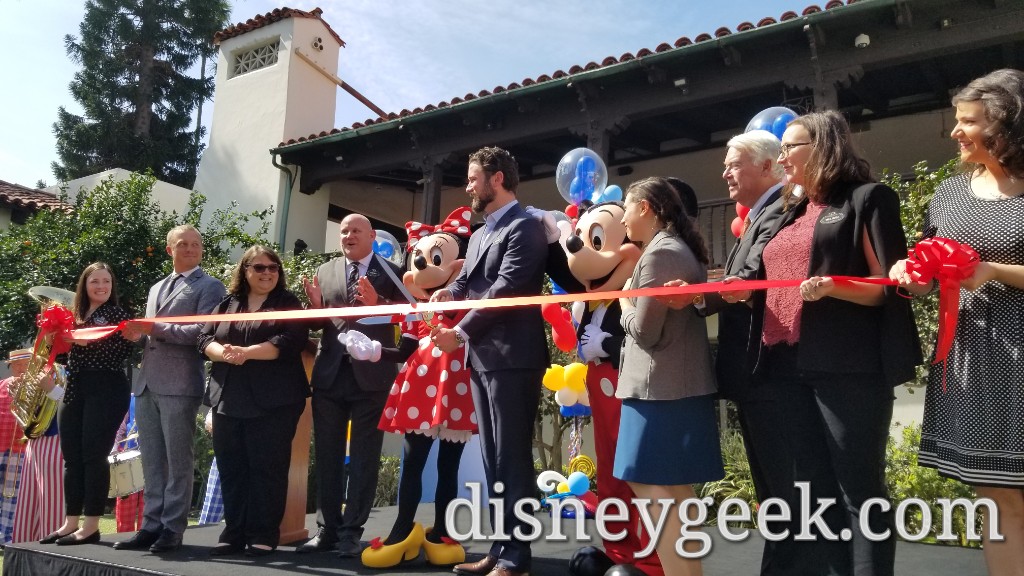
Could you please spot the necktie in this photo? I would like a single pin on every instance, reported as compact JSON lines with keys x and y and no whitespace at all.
{"x":350,"y":284}
{"x":746,"y":224}
{"x":170,"y":289}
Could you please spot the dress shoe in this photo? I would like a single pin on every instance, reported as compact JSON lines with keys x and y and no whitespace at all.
{"x":348,"y":547}
{"x":254,"y":551}
{"x":502,"y":571}
{"x":322,"y":541}
{"x":71,"y":540}
{"x":53,"y":537}
{"x":167,"y":542}
{"x":444,"y":553}
{"x":226,"y":549}
{"x":480,"y":567}
{"x":142,"y":540}
{"x":380,"y":555}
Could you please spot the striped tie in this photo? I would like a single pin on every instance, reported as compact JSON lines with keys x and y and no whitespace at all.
{"x":350,"y":284}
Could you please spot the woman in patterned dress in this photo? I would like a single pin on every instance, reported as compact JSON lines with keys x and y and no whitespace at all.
{"x":973,"y":427}
{"x":430,"y":399}
{"x":95,"y":402}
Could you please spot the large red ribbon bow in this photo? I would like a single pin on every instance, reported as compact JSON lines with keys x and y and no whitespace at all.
{"x":949,"y":262}
{"x":54,"y":321}
{"x":456,"y":223}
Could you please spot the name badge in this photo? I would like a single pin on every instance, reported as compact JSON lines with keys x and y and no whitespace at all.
{"x":832,"y":217}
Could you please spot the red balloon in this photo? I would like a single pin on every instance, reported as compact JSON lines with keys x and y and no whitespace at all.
{"x":562,"y":331}
{"x":589,"y":501}
{"x":572,"y":211}
{"x":742,"y":210}
{"x":736,"y":226}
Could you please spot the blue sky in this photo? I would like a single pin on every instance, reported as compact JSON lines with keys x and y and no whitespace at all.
{"x":400,"y":53}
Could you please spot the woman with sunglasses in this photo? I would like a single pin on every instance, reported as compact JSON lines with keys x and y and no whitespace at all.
{"x":832,"y":351}
{"x":257,"y":392}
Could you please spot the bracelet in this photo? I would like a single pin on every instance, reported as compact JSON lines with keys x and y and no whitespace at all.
{"x":458,"y":337}
{"x":698,"y":300}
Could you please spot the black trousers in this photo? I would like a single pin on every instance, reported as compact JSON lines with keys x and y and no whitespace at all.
{"x":333,"y":409}
{"x":253,"y":456}
{"x":410,"y":485}
{"x":88,"y":425}
{"x":506,"y":403}
{"x":835,"y":428}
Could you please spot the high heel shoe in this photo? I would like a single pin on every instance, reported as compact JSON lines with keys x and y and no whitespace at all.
{"x":379,"y":555}
{"x":446,"y":553}
{"x":71,"y":540}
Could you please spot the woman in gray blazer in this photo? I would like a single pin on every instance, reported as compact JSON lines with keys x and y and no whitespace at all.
{"x":668,"y":438}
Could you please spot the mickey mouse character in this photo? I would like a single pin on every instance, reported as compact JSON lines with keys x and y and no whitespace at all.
{"x":429,"y":400}
{"x":602,"y":259}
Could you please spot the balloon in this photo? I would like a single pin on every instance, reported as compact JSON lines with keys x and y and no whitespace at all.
{"x":565,"y":411}
{"x":576,"y":376}
{"x":563,"y":487}
{"x":578,"y":483}
{"x":610,"y":194}
{"x":584,"y":399}
{"x":388,"y":247}
{"x":742,"y":211}
{"x":556,"y":289}
{"x":773,"y":120}
{"x":589,"y":501}
{"x":736,"y":226}
{"x":562,"y":331}
{"x":554,"y":378}
{"x":566,"y":397}
{"x":580,"y":174}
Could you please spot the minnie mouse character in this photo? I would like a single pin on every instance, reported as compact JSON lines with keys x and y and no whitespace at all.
{"x":429,"y":400}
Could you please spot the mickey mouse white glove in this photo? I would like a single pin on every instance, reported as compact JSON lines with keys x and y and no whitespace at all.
{"x":360,"y":346}
{"x":590,"y":343}
{"x":544,"y":217}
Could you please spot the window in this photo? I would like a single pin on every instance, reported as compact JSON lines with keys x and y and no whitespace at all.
{"x":256,"y":58}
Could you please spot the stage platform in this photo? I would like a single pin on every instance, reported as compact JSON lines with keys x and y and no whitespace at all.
{"x":551,"y":558}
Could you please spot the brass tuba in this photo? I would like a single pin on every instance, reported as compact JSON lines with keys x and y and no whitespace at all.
{"x":32,"y":408}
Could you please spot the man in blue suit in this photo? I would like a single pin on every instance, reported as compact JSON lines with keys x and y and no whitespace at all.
{"x":168,"y":391}
{"x":507,"y":348}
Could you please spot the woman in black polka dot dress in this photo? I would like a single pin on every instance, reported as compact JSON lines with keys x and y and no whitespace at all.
{"x":974,"y":429}
{"x":96,"y":400}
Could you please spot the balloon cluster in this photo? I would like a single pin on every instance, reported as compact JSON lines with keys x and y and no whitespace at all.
{"x":563,"y":333}
{"x":582,"y":176}
{"x":577,"y":485}
{"x":569,"y":385}
{"x":774,"y":120}
{"x":737,"y":223}
{"x":388,"y":247}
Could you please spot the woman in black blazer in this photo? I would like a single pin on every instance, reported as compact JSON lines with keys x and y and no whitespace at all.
{"x":833,"y":351}
{"x":257,"y":392}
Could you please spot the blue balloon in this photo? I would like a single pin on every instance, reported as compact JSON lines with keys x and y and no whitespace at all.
{"x":578,"y":483}
{"x":773,"y":120}
{"x":565,"y":411}
{"x":586,"y":166}
{"x":556,"y":289}
{"x":576,"y":190}
{"x":780,"y":123}
{"x":385,"y":249}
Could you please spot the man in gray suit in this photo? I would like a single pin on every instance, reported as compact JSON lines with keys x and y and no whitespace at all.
{"x":168,"y":391}
{"x":346,"y":390}
{"x":507,"y":348}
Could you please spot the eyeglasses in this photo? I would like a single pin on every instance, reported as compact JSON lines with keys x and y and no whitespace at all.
{"x":261,"y":268}
{"x":785,"y":149}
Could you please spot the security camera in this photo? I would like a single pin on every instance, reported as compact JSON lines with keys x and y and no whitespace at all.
{"x":862,"y":41}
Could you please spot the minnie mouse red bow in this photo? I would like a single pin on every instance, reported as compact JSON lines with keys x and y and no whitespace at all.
{"x":949,"y":262}
{"x":456,"y":223}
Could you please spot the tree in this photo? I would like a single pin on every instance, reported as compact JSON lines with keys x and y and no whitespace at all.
{"x":120,"y":224}
{"x":135,"y":89}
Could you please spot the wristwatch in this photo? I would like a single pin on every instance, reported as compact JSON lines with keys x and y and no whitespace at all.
{"x":458,"y":337}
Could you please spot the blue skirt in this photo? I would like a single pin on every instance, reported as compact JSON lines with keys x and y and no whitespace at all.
{"x":668,"y":442}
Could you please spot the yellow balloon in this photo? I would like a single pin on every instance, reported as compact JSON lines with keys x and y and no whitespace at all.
{"x":563,"y":487}
{"x":576,"y":376}
{"x":554,"y":378}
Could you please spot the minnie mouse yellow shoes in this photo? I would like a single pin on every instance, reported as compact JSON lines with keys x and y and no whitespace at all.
{"x":447,"y":553}
{"x":379,"y":555}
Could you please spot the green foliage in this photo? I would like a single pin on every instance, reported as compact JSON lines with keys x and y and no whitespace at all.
{"x":387,"y":481}
{"x":116,"y":222}
{"x":135,"y":89}
{"x":906,"y":479}
{"x":915,"y":194}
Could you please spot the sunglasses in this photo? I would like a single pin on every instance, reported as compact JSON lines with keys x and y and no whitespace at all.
{"x":261,"y":268}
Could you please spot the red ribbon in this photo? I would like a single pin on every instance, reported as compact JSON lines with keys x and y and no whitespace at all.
{"x":948,"y":262}
{"x":54,"y":322}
